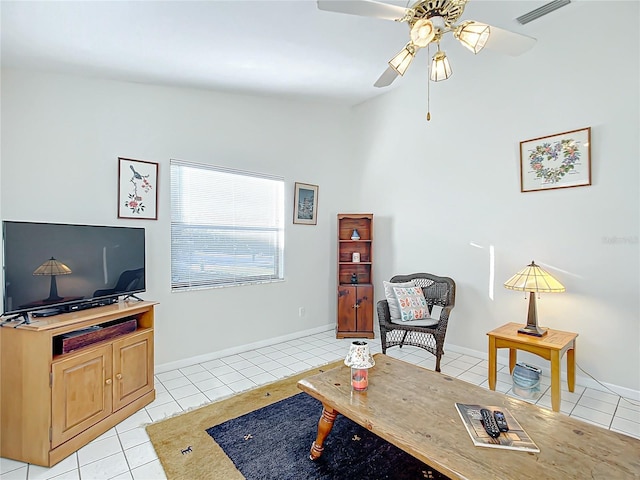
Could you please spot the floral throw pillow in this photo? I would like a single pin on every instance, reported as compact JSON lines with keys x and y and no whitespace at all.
{"x":412,"y":303}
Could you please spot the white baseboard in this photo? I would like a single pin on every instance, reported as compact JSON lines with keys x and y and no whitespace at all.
{"x":503,"y":357}
{"x":165,"y":367}
{"x":584,"y":380}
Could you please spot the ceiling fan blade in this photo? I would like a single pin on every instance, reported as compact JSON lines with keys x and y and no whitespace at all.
{"x":507,"y":42}
{"x":387,"y":78}
{"x":365,"y":8}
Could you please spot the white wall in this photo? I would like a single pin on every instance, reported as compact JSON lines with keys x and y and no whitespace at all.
{"x":447,"y":193}
{"x":62,"y":137}
{"x":444,"y":193}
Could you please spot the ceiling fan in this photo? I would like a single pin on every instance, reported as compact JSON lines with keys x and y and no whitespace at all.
{"x":428,"y":21}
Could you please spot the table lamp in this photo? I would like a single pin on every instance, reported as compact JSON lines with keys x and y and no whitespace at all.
{"x":533,"y":279}
{"x":360,"y":360}
{"x":52,"y":267}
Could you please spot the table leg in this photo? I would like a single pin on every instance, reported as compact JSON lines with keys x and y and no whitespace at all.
{"x":555,"y":380}
{"x":325,"y":424}
{"x":571,"y":368}
{"x":493,"y":363}
{"x":513,"y":357}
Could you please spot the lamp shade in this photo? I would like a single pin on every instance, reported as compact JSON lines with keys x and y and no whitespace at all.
{"x":532,"y":278}
{"x":52,"y":267}
{"x":440,"y":68}
{"x":422,"y":32}
{"x":473,"y":35}
{"x":403,"y":59}
{"x":359,"y":356}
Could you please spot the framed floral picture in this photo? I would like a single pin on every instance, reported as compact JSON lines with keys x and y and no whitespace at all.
{"x":137,"y":189}
{"x":556,"y":161}
{"x":305,"y":204}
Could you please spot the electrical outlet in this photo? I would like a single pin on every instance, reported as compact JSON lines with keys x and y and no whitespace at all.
{"x":302,"y":312}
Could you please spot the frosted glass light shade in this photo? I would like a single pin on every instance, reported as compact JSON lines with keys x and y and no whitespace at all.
{"x":440,"y":68}
{"x":473,"y":35}
{"x":403,"y":59}
{"x":422,"y":32}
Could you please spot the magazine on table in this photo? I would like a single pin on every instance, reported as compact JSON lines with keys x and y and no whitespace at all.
{"x":514,"y":439}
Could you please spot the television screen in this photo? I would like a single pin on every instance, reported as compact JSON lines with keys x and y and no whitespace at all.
{"x":59,"y":267}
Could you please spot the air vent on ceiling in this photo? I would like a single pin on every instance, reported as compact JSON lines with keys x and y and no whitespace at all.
{"x":541,"y":11}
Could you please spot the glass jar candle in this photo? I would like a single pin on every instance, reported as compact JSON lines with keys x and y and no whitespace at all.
{"x":359,"y":379}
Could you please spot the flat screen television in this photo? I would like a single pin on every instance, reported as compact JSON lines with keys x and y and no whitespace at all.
{"x":53,"y":268}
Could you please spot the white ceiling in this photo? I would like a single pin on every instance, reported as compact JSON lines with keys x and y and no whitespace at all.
{"x":270,"y":47}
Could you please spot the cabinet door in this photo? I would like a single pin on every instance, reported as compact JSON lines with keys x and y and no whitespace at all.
{"x":81,"y":393}
{"x":364,"y":299}
{"x":132,"y":367}
{"x":346,"y":309}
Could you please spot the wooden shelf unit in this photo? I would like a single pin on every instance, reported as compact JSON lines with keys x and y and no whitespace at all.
{"x":52,"y":404}
{"x":355,"y":300}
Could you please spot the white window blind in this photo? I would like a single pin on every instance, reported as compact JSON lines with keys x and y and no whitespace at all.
{"x":227,"y":226}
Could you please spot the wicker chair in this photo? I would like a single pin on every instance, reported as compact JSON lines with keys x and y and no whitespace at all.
{"x":437,"y":291}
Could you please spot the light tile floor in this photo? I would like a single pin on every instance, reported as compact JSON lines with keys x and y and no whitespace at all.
{"x":125,"y":451}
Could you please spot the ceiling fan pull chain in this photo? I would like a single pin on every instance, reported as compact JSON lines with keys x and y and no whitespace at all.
{"x":428,"y":85}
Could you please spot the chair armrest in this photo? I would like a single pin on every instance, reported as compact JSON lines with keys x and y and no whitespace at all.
{"x":441,"y":327}
{"x":384,"y":316}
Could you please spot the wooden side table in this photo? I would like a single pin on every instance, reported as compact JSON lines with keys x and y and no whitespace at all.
{"x":551,"y":347}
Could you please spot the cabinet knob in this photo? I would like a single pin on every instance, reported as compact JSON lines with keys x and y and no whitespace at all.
{"x":119,"y":376}
{"x":356,"y":305}
{"x":108,"y":381}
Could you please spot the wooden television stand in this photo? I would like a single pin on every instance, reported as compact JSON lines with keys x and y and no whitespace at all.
{"x":53,"y":403}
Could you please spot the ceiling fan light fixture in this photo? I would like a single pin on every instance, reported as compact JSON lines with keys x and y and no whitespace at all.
{"x":440,"y":68}
{"x":422,"y":32}
{"x":473,"y":35}
{"x":403,"y":59}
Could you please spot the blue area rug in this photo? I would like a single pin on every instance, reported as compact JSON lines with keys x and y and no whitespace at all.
{"x":274,"y":442}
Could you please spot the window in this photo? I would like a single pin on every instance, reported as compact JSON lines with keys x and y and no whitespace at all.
{"x":227,"y":227}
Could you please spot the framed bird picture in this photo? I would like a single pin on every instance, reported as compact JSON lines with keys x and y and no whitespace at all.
{"x":137,"y":189}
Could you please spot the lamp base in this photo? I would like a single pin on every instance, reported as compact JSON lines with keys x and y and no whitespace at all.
{"x":532,"y":327}
{"x":534,"y":330}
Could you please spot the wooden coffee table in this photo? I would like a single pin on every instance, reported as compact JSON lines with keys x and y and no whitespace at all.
{"x":414,"y":409}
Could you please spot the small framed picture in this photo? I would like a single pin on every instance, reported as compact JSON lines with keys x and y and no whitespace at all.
{"x":556,"y":161}
{"x":355,"y":257}
{"x":305,"y":204}
{"x":137,"y":189}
